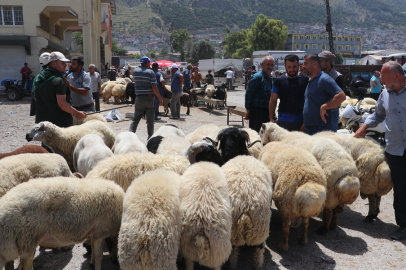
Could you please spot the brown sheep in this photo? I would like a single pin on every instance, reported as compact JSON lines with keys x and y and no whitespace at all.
{"x":26,"y":149}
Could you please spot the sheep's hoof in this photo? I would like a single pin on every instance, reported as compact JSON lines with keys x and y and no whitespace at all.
{"x":282,"y":247}
{"x":322,"y":230}
{"x":370,"y":218}
{"x":304,"y":241}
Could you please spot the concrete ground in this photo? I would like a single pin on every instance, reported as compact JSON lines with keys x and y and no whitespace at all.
{"x":353,"y":245}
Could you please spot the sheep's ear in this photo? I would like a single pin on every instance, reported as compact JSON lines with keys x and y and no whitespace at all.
{"x":263,"y":127}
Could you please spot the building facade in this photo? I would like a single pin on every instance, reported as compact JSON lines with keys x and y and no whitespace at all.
{"x":29,"y":28}
{"x":348,"y":46}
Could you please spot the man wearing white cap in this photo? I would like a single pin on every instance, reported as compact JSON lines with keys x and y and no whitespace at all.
{"x":176,"y":88}
{"x":52,"y":94}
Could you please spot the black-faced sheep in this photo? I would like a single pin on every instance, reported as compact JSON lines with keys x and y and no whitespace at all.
{"x":250,"y":189}
{"x":164,"y":131}
{"x":150,"y":231}
{"x":206,"y":216}
{"x":54,"y":212}
{"x":18,"y":169}
{"x":128,"y":142}
{"x":123,"y":169}
{"x":373,"y":171}
{"x":205,"y":150}
{"x":338,"y":166}
{"x":89,"y":151}
{"x":26,"y":149}
{"x":64,"y":140}
{"x":299,"y":186}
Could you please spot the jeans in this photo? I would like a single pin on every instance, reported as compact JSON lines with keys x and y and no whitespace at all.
{"x":335,"y":115}
{"x":96,"y":100}
{"x":175,"y":104}
{"x":311,"y":130}
{"x":147,"y":104}
{"x":290,"y":126}
{"x":258,"y":116}
{"x":397,"y":165}
{"x":91,"y":109}
{"x":229,"y":84}
{"x":156,"y":106}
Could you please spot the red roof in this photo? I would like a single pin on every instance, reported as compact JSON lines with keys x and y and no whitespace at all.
{"x":75,"y":28}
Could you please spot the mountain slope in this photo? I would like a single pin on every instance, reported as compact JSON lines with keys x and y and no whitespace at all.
{"x":154,"y":16}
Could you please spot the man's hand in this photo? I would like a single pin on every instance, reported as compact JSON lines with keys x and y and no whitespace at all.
{"x":80,"y":115}
{"x":247,"y":116}
{"x":361,"y":132}
{"x":271,"y":120}
{"x":302,"y":128}
{"x":323,"y":112}
{"x":161,"y":102}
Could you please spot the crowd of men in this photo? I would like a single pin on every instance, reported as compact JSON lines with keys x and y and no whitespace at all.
{"x":310,"y":96}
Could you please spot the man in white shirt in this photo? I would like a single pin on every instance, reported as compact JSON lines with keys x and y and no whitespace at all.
{"x":95,"y":85}
{"x":230,"y":75}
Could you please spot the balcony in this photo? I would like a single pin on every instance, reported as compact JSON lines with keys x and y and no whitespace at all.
{"x":42,"y":33}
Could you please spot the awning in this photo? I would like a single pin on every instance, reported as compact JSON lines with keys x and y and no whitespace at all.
{"x":17,"y":41}
{"x":57,"y":47}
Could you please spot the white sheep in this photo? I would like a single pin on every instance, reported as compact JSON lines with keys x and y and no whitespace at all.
{"x":150,"y":229}
{"x":162,"y":132}
{"x":64,"y":140}
{"x":118,"y":92}
{"x":338,"y":166}
{"x":250,"y":189}
{"x":128,"y":142}
{"x":89,"y":117}
{"x":18,"y":169}
{"x":123,"y":169}
{"x":174,"y":145}
{"x":89,"y":151}
{"x":201,"y":132}
{"x":210,"y":90}
{"x":206,"y":216}
{"x":373,"y":171}
{"x":57,"y":212}
{"x":256,"y":148}
{"x":299,"y":186}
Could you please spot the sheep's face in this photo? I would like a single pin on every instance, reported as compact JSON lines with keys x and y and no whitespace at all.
{"x":232,"y":143}
{"x":38,"y":132}
{"x":268,"y":132}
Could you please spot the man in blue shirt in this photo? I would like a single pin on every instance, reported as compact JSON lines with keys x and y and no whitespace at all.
{"x":290,"y":89}
{"x":375,"y":85}
{"x":186,"y":79}
{"x":176,"y":87}
{"x":145,"y":90}
{"x":391,"y":108}
{"x":258,"y":94}
{"x":322,"y":94}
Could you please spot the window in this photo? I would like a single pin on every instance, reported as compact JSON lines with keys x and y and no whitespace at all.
{"x":340,"y":47}
{"x":347,"y":47}
{"x":315,"y":46}
{"x":298,"y":46}
{"x":44,"y":22}
{"x":356,"y":47}
{"x":346,"y":39}
{"x":11,"y":15}
{"x":301,"y":37}
{"x":306,"y":46}
{"x":334,"y":38}
{"x":323,"y":46}
{"x":358,"y":39}
{"x":307,"y":37}
{"x":57,"y":31}
{"x":314,"y":37}
{"x":339,"y":38}
{"x":352,"y":39}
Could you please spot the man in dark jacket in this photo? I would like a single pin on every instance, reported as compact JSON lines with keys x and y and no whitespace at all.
{"x":160,"y":84}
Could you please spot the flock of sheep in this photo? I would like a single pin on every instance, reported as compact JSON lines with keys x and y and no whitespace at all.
{"x":201,"y":196}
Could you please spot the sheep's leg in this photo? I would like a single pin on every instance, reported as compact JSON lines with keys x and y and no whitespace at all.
{"x":234,"y":257}
{"x":373,"y":208}
{"x":9,"y":265}
{"x":334,"y":220}
{"x":283,"y":246}
{"x":259,"y":256}
{"x":189,"y":264}
{"x":378,"y":203}
{"x":26,"y":259}
{"x":114,"y":249}
{"x":305,"y":225}
{"x":97,"y":252}
{"x":326,"y":221}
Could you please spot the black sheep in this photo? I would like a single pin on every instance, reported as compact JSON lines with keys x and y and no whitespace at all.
{"x":233,"y":142}
{"x":130,"y":91}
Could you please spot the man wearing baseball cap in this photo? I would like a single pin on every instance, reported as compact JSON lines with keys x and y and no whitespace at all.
{"x":176,"y":87}
{"x":145,"y":90}
{"x":52,"y":94}
{"x":327,"y":66}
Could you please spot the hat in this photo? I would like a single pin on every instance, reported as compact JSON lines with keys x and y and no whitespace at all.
{"x":327,"y":55}
{"x":209,"y":70}
{"x":195,"y":67}
{"x":112,"y":67}
{"x":174,"y":66}
{"x":145,"y":59}
{"x":44,"y":58}
{"x":58,"y":56}
{"x":155,"y":65}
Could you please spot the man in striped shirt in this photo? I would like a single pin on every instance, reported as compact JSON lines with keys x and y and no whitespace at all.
{"x":145,"y":90}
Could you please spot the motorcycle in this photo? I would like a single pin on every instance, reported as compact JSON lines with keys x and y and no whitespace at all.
{"x":354,"y":116}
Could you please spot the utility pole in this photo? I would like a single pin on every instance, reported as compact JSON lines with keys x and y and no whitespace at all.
{"x":171,"y":39}
{"x":329,"y":27}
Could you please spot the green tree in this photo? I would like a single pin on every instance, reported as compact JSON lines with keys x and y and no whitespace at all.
{"x":232,"y":42}
{"x":267,"y":34}
{"x":339,"y":59}
{"x":78,"y":40}
{"x":137,"y":56}
{"x":116,"y":51}
{"x":179,"y":38}
{"x":163,"y":51}
{"x":202,"y":50}
{"x":152,"y":54}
